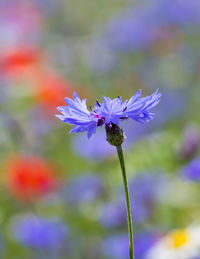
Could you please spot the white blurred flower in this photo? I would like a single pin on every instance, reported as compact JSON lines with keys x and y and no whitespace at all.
{"x":178,"y":244}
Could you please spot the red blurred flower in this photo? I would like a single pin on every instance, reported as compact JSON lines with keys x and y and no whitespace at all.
{"x":29,"y":67}
{"x":29,"y":177}
{"x":16,"y":62}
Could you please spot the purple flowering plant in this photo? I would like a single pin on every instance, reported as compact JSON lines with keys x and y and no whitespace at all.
{"x":109,"y":113}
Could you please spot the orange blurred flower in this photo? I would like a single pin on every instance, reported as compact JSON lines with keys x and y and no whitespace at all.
{"x":51,"y":90}
{"x":29,"y":177}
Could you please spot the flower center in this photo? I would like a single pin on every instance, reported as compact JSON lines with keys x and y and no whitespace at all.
{"x":101,"y":122}
{"x":178,"y":238}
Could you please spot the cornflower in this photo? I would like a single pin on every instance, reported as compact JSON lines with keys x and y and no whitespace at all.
{"x":109,"y":113}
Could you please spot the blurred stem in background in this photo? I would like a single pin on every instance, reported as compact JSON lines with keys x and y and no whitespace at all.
{"x":125,"y":182}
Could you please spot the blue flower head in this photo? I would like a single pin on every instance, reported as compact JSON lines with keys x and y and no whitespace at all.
{"x":108,"y":113}
{"x":39,"y":233}
{"x":116,"y":246}
{"x":192,"y":170}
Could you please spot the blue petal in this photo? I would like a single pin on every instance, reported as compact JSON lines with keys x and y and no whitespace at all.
{"x":139,"y":108}
{"x":77,"y":114}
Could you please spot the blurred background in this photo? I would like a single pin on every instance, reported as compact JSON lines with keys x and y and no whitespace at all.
{"x":61,"y":195}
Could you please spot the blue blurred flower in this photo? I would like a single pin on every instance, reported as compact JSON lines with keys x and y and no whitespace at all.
{"x":178,"y":12}
{"x":116,"y":246}
{"x":40,"y":233}
{"x":192,"y":170}
{"x":84,"y":188}
{"x":143,"y":242}
{"x":143,"y":195}
{"x":108,"y":113}
{"x":145,"y":186}
{"x":141,"y":26}
{"x":114,"y":213}
{"x":134,"y":29}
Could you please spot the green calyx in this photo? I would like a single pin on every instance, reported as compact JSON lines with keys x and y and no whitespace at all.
{"x":115,"y":135}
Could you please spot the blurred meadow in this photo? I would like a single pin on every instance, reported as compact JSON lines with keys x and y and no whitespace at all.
{"x":61,"y":195}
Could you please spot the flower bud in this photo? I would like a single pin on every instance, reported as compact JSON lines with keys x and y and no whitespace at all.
{"x":115,"y":135}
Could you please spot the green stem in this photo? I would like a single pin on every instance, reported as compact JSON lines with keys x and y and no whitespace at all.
{"x":125,"y":182}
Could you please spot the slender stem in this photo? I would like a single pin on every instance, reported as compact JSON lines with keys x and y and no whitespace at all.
{"x":125,"y":182}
